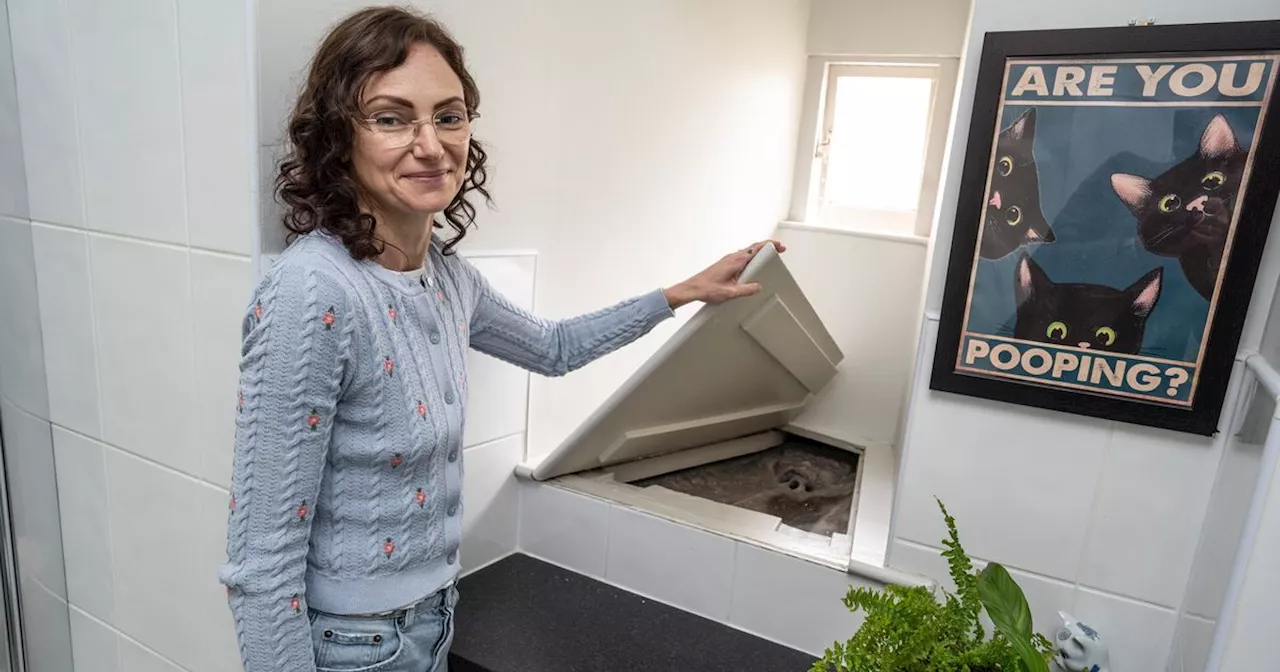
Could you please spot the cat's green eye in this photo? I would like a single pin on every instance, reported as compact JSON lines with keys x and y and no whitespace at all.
{"x":1005,"y":166}
{"x":1170,"y":203}
{"x":1213,"y":180}
{"x":1015,"y":215}
{"x":1105,"y":335}
{"x":1057,"y":331}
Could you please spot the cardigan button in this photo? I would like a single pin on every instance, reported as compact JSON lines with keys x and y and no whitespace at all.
{"x":377,"y":639}
{"x":435,"y":337}
{"x":328,"y":634}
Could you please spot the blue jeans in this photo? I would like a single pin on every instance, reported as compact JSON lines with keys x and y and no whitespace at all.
{"x":414,"y":639}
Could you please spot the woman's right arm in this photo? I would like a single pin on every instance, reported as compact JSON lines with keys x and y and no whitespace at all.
{"x":294,"y":359}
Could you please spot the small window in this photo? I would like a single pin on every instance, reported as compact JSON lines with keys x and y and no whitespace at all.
{"x":879,"y":152}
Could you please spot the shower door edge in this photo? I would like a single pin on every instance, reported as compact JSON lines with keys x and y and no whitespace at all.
{"x":10,"y":598}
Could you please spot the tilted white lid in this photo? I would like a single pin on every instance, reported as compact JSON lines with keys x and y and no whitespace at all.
{"x":742,"y":367}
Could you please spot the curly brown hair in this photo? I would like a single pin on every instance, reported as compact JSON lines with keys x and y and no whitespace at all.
{"x":314,"y":181}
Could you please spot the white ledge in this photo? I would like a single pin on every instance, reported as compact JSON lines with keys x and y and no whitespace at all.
{"x":903,"y":238}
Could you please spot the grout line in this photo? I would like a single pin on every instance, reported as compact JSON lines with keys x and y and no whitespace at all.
{"x":121,"y":634}
{"x":528,"y":379}
{"x":520,"y":495}
{"x":94,"y":333}
{"x":490,"y":442}
{"x":1094,"y":505}
{"x":75,"y":117}
{"x":159,"y":465}
{"x":733,"y":581}
{"x":609,"y":524}
{"x":1075,"y":585}
{"x":177,"y":247}
{"x":182,"y":125}
{"x":254,"y":127}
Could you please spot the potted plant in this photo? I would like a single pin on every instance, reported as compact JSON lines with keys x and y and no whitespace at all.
{"x":907,"y":629}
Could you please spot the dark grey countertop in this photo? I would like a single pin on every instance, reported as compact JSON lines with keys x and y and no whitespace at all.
{"x":521,"y":614}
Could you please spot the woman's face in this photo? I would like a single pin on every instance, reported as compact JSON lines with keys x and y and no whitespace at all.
{"x":421,"y":177}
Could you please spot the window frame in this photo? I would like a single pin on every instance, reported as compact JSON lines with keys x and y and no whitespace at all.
{"x":809,"y":186}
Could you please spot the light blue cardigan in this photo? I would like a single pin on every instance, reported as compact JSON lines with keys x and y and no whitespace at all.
{"x":348,"y":456}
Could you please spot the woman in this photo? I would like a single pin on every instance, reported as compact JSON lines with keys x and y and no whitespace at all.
{"x":345,"y":511}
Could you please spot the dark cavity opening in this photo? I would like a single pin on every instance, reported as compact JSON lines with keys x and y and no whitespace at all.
{"x":807,"y":484}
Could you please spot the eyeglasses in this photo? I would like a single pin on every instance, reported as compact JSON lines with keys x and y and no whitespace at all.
{"x":452,"y":127}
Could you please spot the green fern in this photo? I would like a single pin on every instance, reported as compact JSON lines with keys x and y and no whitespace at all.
{"x":907,"y":629}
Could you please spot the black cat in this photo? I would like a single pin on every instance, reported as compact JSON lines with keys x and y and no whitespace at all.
{"x":1013,"y":215}
{"x":1082,"y":315}
{"x":1186,"y":212}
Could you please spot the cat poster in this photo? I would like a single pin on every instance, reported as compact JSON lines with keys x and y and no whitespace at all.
{"x":1111,"y":220}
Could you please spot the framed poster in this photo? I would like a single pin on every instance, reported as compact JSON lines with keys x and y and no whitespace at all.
{"x":1118,"y":187}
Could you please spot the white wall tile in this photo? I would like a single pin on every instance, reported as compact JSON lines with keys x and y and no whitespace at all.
{"x":1138,"y":635}
{"x":1045,"y":596}
{"x":135,"y":658}
{"x":142,"y":305}
{"x":160,"y":541}
{"x":13,"y":182}
{"x":674,"y":563}
{"x":209,"y":611}
{"x":28,"y":451}
{"x":499,"y":392}
{"x":86,"y":529}
{"x":1152,"y":494}
{"x":563,"y":527}
{"x":94,"y":646}
{"x":125,"y":59}
{"x":791,"y":601}
{"x":66,"y":321}
{"x":490,"y":501}
{"x":51,"y":150}
{"x":217,"y":129}
{"x":1019,"y":480}
{"x":220,"y":289}
{"x":21,"y":349}
{"x":46,"y":629}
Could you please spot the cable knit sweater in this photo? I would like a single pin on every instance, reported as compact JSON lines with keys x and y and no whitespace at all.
{"x":348,"y":454}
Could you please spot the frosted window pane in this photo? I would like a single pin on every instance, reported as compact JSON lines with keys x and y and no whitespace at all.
{"x":876,"y":156}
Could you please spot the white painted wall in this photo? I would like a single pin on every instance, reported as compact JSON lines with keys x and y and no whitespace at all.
{"x":633,"y":144}
{"x":867,"y":291}
{"x":1101,"y":519}
{"x":902,"y":28}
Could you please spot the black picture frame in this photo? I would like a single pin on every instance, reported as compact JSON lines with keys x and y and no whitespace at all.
{"x":1253,"y":214}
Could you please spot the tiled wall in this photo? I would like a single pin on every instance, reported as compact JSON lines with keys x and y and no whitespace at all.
{"x":780,"y":598}
{"x":138,"y":190}
{"x":138,"y":152}
{"x":1096,"y":518}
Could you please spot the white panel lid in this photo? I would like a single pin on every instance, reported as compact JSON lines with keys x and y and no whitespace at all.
{"x":742,"y":367}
